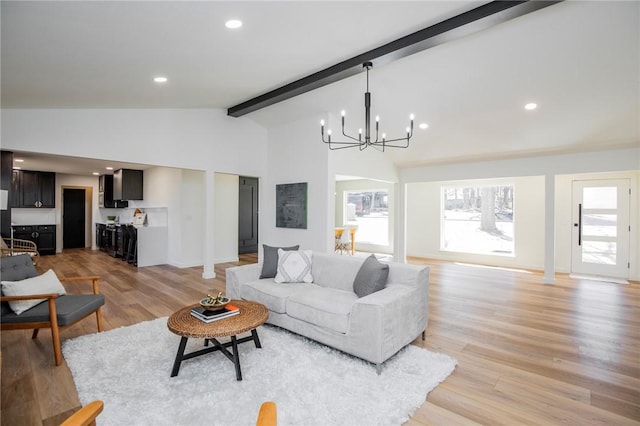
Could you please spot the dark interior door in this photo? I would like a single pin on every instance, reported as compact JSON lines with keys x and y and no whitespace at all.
{"x":73,"y":223}
{"x":248,"y":216}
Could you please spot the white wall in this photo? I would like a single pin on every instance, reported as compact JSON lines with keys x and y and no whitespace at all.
{"x":424,"y":222}
{"x":197,"y":139}
{"x":565,"y":167}
{"x":296,"y":154}
{"x":200,"y":139}
{"x":189,"y":220}
{"x":227,"y":189}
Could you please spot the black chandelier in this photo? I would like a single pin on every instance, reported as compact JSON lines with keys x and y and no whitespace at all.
{"x":381,"y":142}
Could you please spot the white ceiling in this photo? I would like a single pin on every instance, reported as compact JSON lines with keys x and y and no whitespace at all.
{"x":579,"y":60}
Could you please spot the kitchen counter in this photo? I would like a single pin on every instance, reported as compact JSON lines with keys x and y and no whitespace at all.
{"x":152,"y":243}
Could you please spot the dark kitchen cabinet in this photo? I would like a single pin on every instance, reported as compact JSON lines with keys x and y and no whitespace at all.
{"x":127,"y":184}
{"x":14,"y":196}
{"x":33,"y":189}
{"x":43,"y":235}
{"x":105,"y":194}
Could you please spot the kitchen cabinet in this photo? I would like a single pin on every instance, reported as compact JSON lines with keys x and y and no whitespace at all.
{"x":43,"y":235}
{"x":31,"y":189}
{"x":127,"y":184}
{"x":14,"y":196}
{"x":105,"y":194}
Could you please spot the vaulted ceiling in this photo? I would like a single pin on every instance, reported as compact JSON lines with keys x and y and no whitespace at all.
{"x":578,"y":60}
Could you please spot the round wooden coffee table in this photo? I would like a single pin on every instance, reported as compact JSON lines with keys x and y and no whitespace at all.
{"x":182,"y":323}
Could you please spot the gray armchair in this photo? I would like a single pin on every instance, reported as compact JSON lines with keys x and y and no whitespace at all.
{"x":57,"y":312}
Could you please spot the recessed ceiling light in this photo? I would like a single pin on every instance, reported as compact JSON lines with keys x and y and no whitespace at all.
{"x":95,"y":174}
{"x":160,"y":79}
{"x":109,"y":168}
{"x":233,"y":23}
{"x":424,"y":126}
{"x":531,"y":106}
{"x":16,"y":167}
{"x":18,"y":160}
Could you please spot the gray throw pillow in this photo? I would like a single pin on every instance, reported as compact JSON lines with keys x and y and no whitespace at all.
{"x":371,"y":277}
{"x":270,"y":260}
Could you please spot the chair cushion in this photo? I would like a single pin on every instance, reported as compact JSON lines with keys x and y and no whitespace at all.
{"x":371,"y":277}
{"x":43,"y":284}
{"x":69,"y":308}
{"x":270,"y":260}
{"x":15,"y":268}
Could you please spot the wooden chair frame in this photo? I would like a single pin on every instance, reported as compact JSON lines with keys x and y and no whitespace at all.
{"x":85,"y":416}
{"x":53,"y":317}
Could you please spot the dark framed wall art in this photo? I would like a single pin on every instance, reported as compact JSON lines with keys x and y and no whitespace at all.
{"x":291,"y":205}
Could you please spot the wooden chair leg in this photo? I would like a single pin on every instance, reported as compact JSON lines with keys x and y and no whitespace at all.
{"x":55,"y":332}
{"x":35,"y":333}
{"x":99,"y":319}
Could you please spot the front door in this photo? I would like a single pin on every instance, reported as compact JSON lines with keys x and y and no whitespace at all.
{"x":601,"y":228}
{"x":73,"y":213}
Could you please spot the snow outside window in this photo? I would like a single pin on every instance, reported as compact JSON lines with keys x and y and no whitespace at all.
{"x":478,"y":220}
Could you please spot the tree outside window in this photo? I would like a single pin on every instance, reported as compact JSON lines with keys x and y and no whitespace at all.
{"x":478,"y":220}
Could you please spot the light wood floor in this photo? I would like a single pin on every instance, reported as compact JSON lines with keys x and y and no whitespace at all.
{"x":527,"y":353}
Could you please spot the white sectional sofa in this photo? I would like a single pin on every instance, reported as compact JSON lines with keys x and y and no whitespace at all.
{"x":373,"y":327}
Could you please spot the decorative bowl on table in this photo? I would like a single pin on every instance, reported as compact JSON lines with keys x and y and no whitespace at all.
{"x":214,"y":302}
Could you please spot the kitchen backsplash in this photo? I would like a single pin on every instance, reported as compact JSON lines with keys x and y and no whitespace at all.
{"x":156,"y":216}
{"x":33,"y":216}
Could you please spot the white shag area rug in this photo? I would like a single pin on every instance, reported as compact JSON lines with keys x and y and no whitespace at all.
{"x":129,"y":368}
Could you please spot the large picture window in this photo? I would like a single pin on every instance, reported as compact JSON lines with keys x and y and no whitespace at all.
{"x":369,"y":210}
{"x":478,"y":220}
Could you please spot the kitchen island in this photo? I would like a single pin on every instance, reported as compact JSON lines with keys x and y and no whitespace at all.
{"x":152,"y":242}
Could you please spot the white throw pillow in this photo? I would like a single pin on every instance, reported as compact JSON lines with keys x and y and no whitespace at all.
{"x":294,"y":266}
{"x":46,"y":283}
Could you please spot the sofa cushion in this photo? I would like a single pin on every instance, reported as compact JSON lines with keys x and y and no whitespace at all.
{"x":271,"y":294}
{"x":270,"y":260}
{"x":43,"y":284}
{"x":325,"y":307}
{"x":371,"y":277}
{"x":294,"y":266}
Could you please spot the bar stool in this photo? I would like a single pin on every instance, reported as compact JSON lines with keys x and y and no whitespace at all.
{"x":132,"y":246}
{"x":125,"y":242}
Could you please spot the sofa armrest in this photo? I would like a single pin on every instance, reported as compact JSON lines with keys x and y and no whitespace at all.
{"x":239,"y":275}
{"x":391,"y":318}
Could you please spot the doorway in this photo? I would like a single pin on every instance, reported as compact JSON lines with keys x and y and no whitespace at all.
{"x":248,"y":215}
{"x":73,"y":218}
{"x":601,"y":227}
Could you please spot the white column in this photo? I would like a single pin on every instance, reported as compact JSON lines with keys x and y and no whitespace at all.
{"x":549,"y":229}
{"x":400,"y":237}
{"x":209,"y":222}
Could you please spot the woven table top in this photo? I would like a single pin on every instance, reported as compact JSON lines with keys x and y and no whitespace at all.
{"x":251,"y":315}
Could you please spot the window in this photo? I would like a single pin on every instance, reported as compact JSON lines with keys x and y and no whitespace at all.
{"x":478,"y":220}
{"x":369,"y":210}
